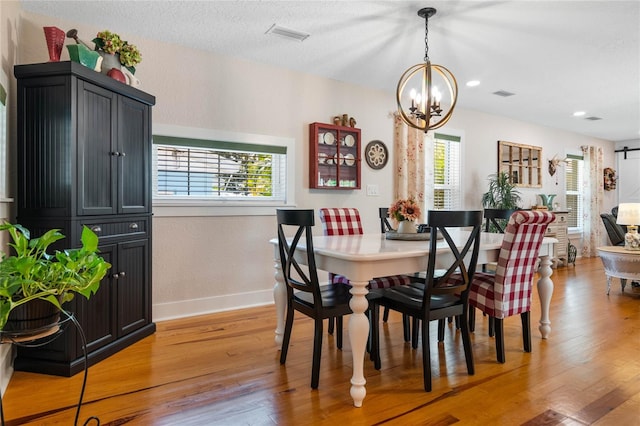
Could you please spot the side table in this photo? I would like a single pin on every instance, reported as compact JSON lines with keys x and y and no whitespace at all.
{"x":621,"y":263}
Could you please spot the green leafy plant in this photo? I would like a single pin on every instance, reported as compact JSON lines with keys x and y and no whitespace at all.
{"x":111,"y":43}
{"x":32,"y":273}
{"x":502,"y":194}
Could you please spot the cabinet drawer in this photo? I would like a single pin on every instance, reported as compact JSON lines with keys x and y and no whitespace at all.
{"x":134,"y":227}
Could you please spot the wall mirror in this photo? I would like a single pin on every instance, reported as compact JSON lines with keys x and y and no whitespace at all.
{"x":523,"y":163}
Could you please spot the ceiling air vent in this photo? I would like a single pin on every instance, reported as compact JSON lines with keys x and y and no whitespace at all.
{"x":593,"y":118}
{"x":503,"y":93}
{"x":288,"y":33}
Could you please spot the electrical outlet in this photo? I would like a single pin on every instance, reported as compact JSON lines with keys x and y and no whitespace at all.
{"x":372,"y":191}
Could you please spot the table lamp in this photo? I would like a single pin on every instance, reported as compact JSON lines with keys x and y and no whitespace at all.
{"x":629,"y":214}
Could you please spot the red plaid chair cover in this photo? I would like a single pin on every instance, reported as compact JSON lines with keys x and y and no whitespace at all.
{"x":508,"y":292}
{"x":346,"y":221}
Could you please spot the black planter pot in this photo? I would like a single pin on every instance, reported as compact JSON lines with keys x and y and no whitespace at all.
{"x":34,"y":317}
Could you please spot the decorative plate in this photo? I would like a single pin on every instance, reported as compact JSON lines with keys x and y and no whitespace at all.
{"x":376,"y":154}
{"x":329,"y":138}
{"x":393,"y":235}
{"x":349,"y":140}
{"x":322,"y":158}
{"x":349,"y":160}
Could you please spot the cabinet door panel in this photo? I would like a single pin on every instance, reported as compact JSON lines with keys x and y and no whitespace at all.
{"x":134,"y":165}
{"x":98,"y":314}
{"x":133,"y":285}
{"x":97,"y":151}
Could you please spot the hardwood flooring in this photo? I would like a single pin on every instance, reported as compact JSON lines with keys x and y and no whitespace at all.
{"x":223,"y":369}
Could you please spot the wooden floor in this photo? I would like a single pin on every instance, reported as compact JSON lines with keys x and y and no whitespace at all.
{"x":223,"y":369}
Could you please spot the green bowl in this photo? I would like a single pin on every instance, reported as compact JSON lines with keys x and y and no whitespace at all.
{"x":81,"y":54}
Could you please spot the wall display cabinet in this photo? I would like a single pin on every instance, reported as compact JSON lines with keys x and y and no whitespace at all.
{"x":523,"y":163}
{"x":559,"y":229}
{"x":334,"y":157}
{"x":84,"y":158}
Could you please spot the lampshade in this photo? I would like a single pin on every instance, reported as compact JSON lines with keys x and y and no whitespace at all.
{"x":629,"y":214}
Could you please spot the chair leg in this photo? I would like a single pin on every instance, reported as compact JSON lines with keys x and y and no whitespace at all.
{"x":499,"y":330}
{"x":414,"y":333}
{"x":525,"y":317}
{"x":317,"y":353}
{"x":406,"y":328}
{"x":385,"y":315}
{"x":441,"y":330}
{"x":472,"y":319}
{"x":466,"y":342}
{"x":492,"y":331}
{"x":331,"y":326}
{"x":287,"y":335}
{"x":426,"y":358}
{"x":375,"y":336}
{"x":339,"y":332}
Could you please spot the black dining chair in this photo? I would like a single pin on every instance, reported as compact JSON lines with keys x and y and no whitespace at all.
{"x":441,"y":296}
{"x":496,"y":219}
{"x":304,"y":292}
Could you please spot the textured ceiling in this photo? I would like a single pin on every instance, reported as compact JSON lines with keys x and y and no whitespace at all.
{"x":557,"y":57}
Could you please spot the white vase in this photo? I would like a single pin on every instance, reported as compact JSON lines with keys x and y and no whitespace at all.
{"x":109,"y":61}
{"x":407,"y":227}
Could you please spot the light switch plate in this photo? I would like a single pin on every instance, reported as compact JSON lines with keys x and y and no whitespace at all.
{"x":372,"y":191}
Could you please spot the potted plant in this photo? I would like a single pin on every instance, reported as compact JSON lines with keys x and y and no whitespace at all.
{"x":127,"y":54}
{"x":502,"y":193}
{"x":31,"y":274}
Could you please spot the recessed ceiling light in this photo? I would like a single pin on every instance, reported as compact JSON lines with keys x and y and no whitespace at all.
{"x":287,"y":32}
{"x":579,"y":113}
{"x":473,"y":83}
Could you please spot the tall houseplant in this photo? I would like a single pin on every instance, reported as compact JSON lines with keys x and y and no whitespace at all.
{"x":33,"y":274}
{"x":502,"y":193}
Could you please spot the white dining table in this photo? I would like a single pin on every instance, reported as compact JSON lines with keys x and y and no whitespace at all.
{"x":363,"y":257}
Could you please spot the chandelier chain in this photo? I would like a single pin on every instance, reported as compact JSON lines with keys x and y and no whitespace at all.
{"x":426,"y":38}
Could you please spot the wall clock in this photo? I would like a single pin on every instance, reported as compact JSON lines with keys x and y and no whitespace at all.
{"x":376,"y":154}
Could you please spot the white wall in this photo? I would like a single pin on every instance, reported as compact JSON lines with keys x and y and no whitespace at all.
{"x":204,"y":264}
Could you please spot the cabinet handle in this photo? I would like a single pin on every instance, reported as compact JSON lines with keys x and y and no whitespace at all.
{"x":96,"y":229}
{"x":122,"y":274}
{"x":133,"y":226}
{"x":118,"y":275}
{"x":122,"y":154}
{"x":114,"y":153}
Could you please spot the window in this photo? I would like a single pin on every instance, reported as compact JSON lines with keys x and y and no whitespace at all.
{"x":446,"y":172}
{"x":573,"y":179}
{"x":205,"y":172}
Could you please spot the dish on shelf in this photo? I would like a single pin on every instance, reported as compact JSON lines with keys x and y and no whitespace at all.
{"x":349,"y":160}
{"x":338,"y":159}
{"x":322,"y":158}
{"x":329,"y":138}
{"x":349,"y":140}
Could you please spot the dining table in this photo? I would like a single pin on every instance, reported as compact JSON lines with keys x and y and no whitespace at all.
{"x":363,"y":257}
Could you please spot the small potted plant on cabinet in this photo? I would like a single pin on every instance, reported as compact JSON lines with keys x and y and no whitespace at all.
{"x":32,"y":280}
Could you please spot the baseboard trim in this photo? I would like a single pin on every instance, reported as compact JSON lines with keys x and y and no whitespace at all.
{"x":208,"y":305}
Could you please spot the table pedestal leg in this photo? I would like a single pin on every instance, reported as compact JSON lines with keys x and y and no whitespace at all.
{"x":545,"y":290}
{"x":358,"y":334}
{"x":280,"y":299}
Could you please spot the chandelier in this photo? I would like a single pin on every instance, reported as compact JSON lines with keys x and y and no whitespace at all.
{"x":427,"y":110}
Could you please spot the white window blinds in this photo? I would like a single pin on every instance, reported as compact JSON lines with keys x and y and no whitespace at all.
{"x":215,"y":170}
{"x":573,"y":185}
{"x":446,"y":172}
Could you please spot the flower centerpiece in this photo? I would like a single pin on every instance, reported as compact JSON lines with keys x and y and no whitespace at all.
{"x":405,"y":212}
{"x":111,"y":43}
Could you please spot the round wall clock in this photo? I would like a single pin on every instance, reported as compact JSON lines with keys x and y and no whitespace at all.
{"x":376,"y":154}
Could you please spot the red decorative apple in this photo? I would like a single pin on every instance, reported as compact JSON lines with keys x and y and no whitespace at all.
{"x":116,"y":74}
